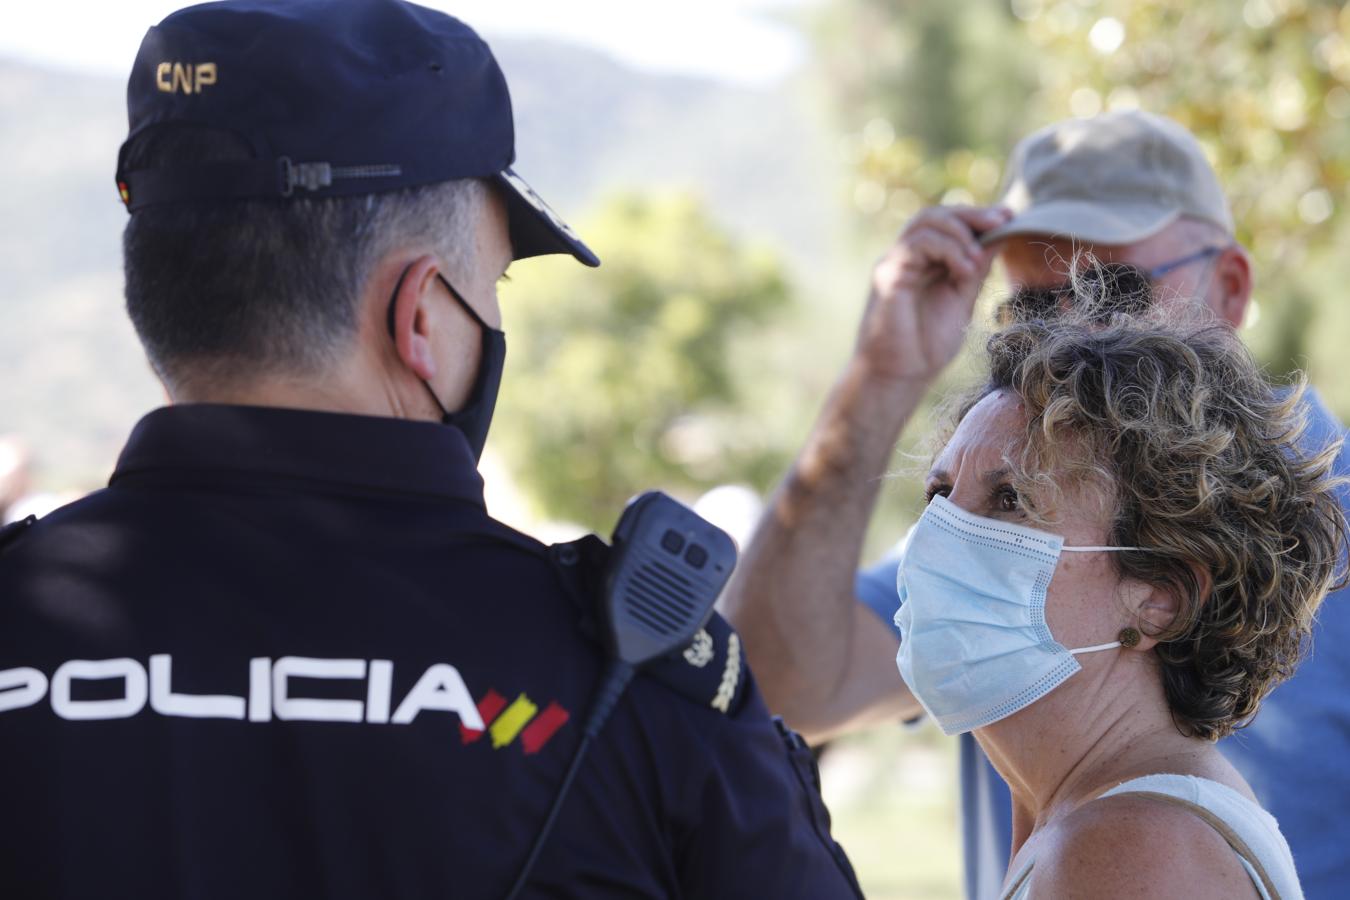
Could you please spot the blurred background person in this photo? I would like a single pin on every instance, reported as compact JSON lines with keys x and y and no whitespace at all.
{"x":15,"y":477}
{"x":18,"y":499}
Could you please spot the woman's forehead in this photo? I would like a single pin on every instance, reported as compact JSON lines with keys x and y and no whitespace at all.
{"x":992,"y":430}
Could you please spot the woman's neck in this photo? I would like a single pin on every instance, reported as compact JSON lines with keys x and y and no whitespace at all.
{"x":1052,"y":768}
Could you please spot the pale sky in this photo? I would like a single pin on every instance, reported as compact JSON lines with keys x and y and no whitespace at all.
{"x":736,"y":40}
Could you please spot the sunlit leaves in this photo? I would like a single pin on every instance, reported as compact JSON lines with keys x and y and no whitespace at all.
{"x":632,"y":376}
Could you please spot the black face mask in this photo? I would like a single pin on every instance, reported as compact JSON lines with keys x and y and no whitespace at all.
{"x":475,"y":416}
{"x":1107,"y":288}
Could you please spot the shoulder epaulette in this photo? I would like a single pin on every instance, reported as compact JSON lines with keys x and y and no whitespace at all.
{"x":710,"y":671}
{"x":11,"y":532}
{"x":580,"y":566}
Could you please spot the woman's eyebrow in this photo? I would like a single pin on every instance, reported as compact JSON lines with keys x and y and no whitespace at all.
{"x":996,"y":477}
{"x":992,"y":478}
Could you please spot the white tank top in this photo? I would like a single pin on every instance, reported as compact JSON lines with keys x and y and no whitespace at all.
{"x":1252,"y":832}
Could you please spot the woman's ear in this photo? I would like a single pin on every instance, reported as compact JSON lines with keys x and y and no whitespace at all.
{"x":1155,"y":607}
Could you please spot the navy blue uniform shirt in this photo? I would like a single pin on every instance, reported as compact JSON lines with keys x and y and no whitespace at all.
{"x":288,"y":654}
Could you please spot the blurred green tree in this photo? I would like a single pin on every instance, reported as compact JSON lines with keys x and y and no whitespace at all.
{"x":928,"y":97}
{"x":647,"y":372}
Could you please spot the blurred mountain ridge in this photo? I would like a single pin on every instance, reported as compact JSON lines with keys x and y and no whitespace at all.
{"x":586,"y":127}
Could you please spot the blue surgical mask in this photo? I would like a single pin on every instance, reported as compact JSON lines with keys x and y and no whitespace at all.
{"x":974,"y":646}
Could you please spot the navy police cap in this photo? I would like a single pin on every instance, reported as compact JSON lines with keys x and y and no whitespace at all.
{"x":336,"y":97}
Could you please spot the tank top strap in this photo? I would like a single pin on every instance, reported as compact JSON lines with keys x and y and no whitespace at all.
{"x":1248,"y":829}
{"x":1020,"y":886}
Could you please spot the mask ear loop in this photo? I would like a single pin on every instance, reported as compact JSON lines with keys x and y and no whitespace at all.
{"x":389,"y":322}
{"x":1111,"y":646}
{"x":1129,"y":637}
{"x":1096,"y":549}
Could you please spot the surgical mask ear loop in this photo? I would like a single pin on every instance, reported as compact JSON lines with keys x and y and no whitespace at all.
{"x":1097,"y":549}
{"x":1128,"y":637}
{"x":1111,"y":646}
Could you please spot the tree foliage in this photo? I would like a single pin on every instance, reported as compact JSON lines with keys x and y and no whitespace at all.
{"x":641,"y":373}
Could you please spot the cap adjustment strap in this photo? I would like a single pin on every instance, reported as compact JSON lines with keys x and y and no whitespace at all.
{"x":316,"y":175}
{"x":310,"y":176}
{"x":239,"y":180}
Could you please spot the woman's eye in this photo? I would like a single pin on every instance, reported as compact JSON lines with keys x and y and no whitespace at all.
{"x":1008,"y":501}
{"x":939,"y":491}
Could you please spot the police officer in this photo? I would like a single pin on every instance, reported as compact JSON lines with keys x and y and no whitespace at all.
{"x":287,"y":653}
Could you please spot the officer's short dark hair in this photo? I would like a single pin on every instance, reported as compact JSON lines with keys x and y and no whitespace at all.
{"x":247,"y":288}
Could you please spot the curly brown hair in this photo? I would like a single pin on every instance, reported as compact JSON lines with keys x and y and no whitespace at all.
{"x":1200,"y":459}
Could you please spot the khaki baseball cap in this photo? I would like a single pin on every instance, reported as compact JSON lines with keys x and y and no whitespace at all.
{"x":1116,"y":178}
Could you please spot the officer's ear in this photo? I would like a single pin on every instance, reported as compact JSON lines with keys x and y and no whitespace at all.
{"x":412,"y":316}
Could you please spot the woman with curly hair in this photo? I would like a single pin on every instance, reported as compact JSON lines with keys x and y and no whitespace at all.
{"x":1122,"y":555}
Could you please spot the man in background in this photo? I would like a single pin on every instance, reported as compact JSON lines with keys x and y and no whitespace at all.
{"x":1128,"y":188}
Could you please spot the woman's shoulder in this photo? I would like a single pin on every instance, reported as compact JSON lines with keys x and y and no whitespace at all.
{"x":1129,"y":845}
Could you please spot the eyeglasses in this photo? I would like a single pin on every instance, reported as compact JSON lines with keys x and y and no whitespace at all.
{"x":1129,"y":289}
{"x":1119,"y":287}
{"x":1190,"y":259}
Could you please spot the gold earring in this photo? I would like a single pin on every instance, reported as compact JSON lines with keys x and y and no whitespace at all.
{"x":1128,"y":637}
